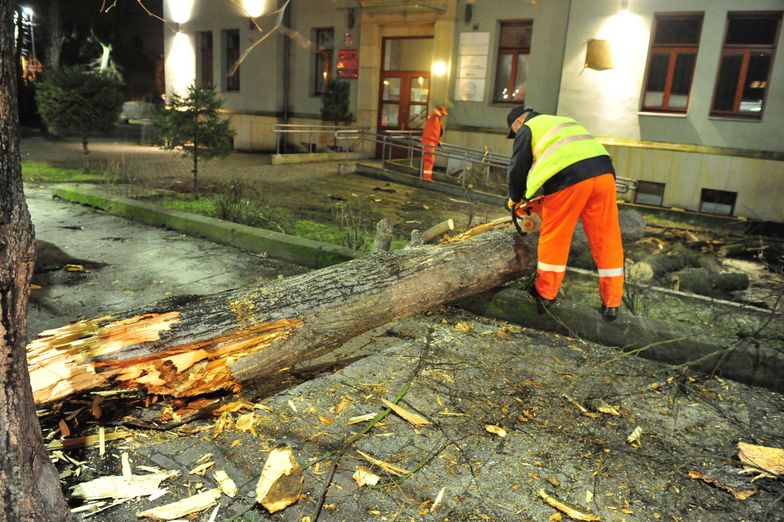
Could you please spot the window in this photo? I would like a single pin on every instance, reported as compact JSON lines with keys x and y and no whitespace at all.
{"x":231,"y":43}
{"x":649,"y":193}
{"x":205,"y":58}
{"x":671,"y":62}
{"x":514,"y":49}
{"x":325,"y":43}
{"x":746,"y":59}
{"x":718,"y":201}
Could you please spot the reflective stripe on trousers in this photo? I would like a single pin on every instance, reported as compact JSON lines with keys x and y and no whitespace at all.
{"x":428,"y":160}
{"x":593,"y":201}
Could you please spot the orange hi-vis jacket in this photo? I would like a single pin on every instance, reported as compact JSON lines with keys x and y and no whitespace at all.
{"x":433,"y":130}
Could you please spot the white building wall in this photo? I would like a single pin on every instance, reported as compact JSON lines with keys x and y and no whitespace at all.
{"x":608,"y":101}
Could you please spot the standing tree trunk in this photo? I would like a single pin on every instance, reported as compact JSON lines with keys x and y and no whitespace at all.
{"x":196,"y":162}
{"x":29,"y":485}
{"x":85,"y":154}
{"x":55,"y":40}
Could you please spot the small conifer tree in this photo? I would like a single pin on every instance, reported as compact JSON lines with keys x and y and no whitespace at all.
{"x":192,"y":124}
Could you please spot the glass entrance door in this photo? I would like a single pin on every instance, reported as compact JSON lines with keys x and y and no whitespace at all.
{"x":404,"y":97}
{"x":405,"y":84}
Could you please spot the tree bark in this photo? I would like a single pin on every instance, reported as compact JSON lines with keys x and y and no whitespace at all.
{"x":29,"y":485}
{"x":223,"y":341}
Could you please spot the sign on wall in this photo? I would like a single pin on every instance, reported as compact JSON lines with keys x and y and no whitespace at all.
{"x":472,"y":66}
{"x":348,"y":64}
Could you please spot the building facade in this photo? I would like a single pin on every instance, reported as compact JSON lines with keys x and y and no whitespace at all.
{"x":687,"y":95}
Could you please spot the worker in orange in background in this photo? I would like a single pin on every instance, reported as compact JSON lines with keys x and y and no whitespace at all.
{"x":431,"y":136}
{"x":577,"y":177}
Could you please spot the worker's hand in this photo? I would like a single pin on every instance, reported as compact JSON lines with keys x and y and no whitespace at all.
{"x":510,"y":204}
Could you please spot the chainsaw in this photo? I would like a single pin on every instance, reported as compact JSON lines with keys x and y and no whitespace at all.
{"x":527,"y":217}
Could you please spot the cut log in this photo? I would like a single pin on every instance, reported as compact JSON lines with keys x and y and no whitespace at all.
{"x":436,"y":231}
{"x":382,"y":240}
{"x":703,"y":282}
{"x":190,"y":346}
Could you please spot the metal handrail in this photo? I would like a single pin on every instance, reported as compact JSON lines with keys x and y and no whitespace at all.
{"x":309,"y":129}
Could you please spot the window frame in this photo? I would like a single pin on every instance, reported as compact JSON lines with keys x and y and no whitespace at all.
{"x":745,"y":50}
{"x":673,"y":50}
{"x":205,"y":59}
{"x":325,"y":54}
{"x":515,"y":52}
{"x":732,"y":207}
{"x":230,"y":57}
{"x":657,"y":184}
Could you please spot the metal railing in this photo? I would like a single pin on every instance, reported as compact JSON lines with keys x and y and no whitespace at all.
{"x":406,"y":145}
{"x":308,"y":132}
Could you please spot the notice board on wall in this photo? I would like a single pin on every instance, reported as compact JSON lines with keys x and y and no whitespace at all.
{"x":472,"y":66}
{"x":348,"y":64}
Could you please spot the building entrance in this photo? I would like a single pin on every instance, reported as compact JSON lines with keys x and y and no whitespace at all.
{"x":405,"y":83}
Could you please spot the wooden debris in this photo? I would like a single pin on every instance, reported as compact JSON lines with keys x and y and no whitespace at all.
{"x":245,"y":422}
{"x":740,"y":494}
{"x":495,"y":430}
{"x":118,"y":486}
{"x":634,"y":438}
{"x":361,"y":418}
{"x":86,"y":441}
{"x":364,"y":477}
{"x":437,"y":231}
{"x":201,"y":469}
{"x":102,"y":441}
{"x":280,"y":483}
{"x":386,"y":466}
{"x":414,"y":418}
{"x":583,"y":410}
{"x":766,"y":462}
{"x":226,"y":485}
{"x":183,"y":508}
{"x":566,"y":509}
{"x":342,"y":405}
{"x":437,"y":501}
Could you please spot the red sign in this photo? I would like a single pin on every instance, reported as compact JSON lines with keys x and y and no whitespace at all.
{"x":348,"y":64}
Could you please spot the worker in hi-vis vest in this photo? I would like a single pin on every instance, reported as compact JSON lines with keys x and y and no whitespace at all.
{"x":576,"y":175}
{"x":431,"y":136}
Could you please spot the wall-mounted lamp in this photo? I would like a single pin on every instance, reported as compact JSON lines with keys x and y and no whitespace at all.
{"x":598,"y":54}
{"x":439,"y":68}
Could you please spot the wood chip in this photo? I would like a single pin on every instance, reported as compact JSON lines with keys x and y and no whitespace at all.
{"x":364,"y":477}
{"x":183,"y":508}
{"x":228,"y":486}
{"x":386,"y":466}
{"x":437,"y":501}
{"x":326,"y":421}
{"x":495,"y":430}
{"x":740,"y":494}
{"x":362,"y":418}
{"x":766,"y":462}
{"x":414,"y":418}
{"x":201,"y":469}
{"x":126,"y":465}
{"x":567,"y":510}
{"x":118,"y":487}
{"x":245,"y":422}
{"x":85,"y":442}
{"x":634,"y":438}
{"x":101,"y":441}
{"x":342,"y":405}
{"x":280,"y":483}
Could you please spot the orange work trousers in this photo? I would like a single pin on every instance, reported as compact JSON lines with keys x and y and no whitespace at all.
{"x":428,"y":160}
{"x":593,"y":201}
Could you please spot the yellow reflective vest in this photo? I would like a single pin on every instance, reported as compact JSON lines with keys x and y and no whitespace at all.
{"x":556,"y":143}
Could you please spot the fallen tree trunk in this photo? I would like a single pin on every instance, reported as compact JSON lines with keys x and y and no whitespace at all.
{"x":195,"y":345}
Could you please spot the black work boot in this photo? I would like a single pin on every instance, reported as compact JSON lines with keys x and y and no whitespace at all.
{"x":609,"y":313}
{"x":542,"y":304}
